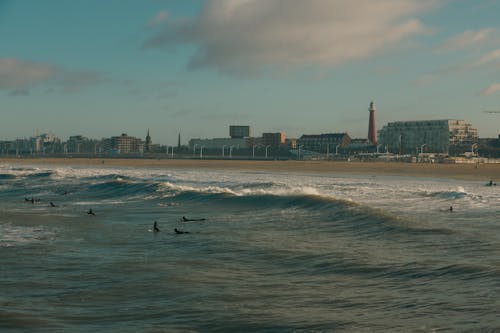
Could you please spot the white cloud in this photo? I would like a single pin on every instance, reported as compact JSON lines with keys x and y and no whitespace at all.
{"x":468,"y":38}
{"x":16,"y":74}
{"x":247,"y":35}
{"x":20,"y":76}
{"x":488,"y":59}
{"x":492,"y":89}
{"x":160,"y":18}
{"x":487,"y":62}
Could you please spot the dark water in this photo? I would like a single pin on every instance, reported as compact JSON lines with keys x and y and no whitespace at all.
{"x":275,"y":254}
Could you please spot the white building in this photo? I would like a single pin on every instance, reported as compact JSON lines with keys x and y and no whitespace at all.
{"x":218,"y":143}
{"x":435,"y":136}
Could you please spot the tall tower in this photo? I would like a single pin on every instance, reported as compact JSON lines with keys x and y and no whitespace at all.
{"x":179,"y":141}
{"x":372,"y":134}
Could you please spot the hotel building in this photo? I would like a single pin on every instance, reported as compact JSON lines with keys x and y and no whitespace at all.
{"x":435,"y":136}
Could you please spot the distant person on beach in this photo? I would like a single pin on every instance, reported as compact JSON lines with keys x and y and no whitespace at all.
{"x":450,"y":209}
{"x":155,"y":227}
{"x":90,"y":212}
{"x":177,"y":231}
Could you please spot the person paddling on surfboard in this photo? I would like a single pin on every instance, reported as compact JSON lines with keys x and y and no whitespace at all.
{"x":90,"y":212}
{"x":177,"y":231}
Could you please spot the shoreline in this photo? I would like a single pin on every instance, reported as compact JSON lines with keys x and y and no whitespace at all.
{"x":484,"y":172}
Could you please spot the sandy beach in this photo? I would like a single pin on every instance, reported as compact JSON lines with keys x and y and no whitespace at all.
{"x":483,"y":172}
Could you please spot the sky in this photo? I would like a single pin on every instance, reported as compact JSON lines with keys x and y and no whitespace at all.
{"x":101,"y":68}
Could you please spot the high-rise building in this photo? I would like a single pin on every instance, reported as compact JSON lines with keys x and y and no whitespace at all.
{"x":239,"y":132}
{"x":435,"y":136}
{"x":372,"y":134}
{"x":124,"y":144}
{"x":273,"y":139}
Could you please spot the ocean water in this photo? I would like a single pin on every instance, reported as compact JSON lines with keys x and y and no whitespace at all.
{"x":276,"y":252}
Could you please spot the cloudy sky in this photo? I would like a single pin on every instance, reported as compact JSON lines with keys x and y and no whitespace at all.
{"x":101,"y":68}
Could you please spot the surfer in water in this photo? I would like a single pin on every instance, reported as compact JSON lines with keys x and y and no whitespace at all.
{"x":155,"y":227}
{"x":52,"y":204}
{"x":491,"y":183}
{"x":178,"y":232}
{"x":185,"y":219}
{"x":90,"y":212}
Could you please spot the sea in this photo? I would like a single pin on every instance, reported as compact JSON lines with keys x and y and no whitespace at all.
{"x":261,"y":252}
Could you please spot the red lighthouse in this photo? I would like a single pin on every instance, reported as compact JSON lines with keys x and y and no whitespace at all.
{"x":372,"y":134}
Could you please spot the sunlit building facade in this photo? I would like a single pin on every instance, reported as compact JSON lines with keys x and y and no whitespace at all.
{"x":435,"y":136}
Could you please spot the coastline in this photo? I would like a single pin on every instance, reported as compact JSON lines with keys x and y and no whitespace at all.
{"x":483,"y":172}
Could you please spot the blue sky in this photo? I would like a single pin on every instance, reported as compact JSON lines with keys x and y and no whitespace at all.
{"x":101,"y":68}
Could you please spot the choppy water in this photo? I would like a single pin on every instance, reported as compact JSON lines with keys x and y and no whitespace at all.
{"x":277,"y":252}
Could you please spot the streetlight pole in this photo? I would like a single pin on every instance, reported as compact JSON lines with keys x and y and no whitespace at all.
{"x":327,"y":151}
{"x":268,"y":146}
{"x":253,"y":151}
{"x":337,"y":149}
{"x":201,"y":151}
{"x":194,"y":149}
{"x":223,"y":147}
{"x":472,"y":148}
{"x":231,"y":152}
{"x":422,"y":148}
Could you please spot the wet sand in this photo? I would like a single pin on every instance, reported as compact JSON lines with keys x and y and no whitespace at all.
{"x":483,"y":172}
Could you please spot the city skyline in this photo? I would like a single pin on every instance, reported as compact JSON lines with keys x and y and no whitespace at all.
{"x":195,"y":67}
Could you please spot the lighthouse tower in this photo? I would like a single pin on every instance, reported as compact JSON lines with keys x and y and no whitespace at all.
{"x":372,"y":134}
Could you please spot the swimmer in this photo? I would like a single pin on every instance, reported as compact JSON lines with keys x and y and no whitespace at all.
{"x":177,"y":231}
{"x":155,"y":227}
{"x":90,"y":212}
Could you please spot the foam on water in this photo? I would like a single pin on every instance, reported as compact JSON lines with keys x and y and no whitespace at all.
{"x":13,"y":235}
{"x":276,"y":253}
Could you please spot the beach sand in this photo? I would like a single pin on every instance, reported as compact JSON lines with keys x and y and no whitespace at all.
{"x":481,"y":172}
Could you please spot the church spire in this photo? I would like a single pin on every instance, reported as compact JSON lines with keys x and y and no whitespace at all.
{"x":148,"y":142}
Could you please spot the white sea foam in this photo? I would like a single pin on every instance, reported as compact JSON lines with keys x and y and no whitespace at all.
{"x":13,"y":235}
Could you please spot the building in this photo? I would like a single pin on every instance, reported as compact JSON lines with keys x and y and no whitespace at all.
{"x":273,"y":139}
{"x":80,"y":144}
{"x":148,"y":143}
{"x":124,"y":144}
{"x":324,"y":142}
{"x":372,"y":134}
{"x":47,"y":142}
{"x":433,"y":136}
{"x":239,"y":132}
{"x":218,"y":143}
